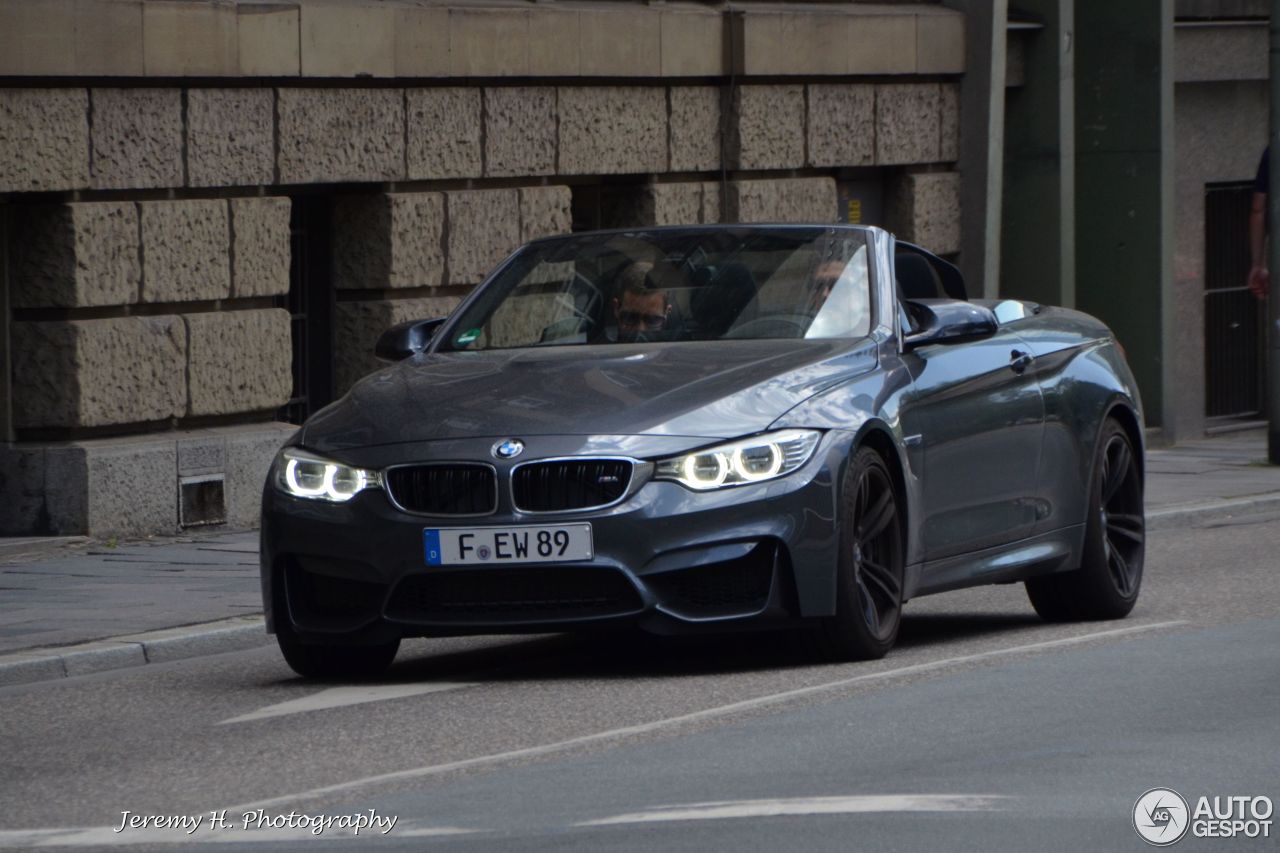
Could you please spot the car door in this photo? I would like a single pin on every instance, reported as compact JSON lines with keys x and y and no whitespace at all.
{"x":977,"y":411}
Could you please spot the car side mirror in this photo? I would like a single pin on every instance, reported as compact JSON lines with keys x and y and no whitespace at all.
{"x":947,"y":321}
{"x":405,"y":340}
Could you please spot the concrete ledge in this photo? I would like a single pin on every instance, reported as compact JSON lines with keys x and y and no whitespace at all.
{"x":408,"y":38}
{"x":170,"y":644}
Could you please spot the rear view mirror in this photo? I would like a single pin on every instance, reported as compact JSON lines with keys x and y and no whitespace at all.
{"x":404,"y":340}
{"x":947,"y":321}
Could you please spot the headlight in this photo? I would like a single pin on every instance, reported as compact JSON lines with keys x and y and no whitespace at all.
{"x":751,"y":460}
{"x":305,"y":475}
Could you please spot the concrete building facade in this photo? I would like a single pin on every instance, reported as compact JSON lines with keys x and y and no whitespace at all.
{"x":211,"y":208}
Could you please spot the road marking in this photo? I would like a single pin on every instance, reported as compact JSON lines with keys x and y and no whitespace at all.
{"x":340,"y":697}
{"x":696,"y":716}
{"x":808,"y":806}
{"x":107,"y":837}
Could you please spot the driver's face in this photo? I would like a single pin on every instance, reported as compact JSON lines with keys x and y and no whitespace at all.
{"x":639,"y":313}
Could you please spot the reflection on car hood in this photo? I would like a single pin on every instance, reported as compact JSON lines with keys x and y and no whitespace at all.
{"x":710,"y":389}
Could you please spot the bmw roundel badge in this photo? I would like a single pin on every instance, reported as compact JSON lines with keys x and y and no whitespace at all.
{"x":508,"y":448}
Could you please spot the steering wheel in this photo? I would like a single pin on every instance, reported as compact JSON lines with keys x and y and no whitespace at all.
{"x":773,"y":326}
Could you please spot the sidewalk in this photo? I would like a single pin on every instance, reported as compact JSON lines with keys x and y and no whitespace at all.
{"x":71,"y":606}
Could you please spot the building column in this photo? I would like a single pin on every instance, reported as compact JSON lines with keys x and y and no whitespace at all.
{"x":1038,"y":239}
{"x":1124,"y":185}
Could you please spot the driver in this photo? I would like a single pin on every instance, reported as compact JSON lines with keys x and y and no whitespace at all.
{"x":641,"y":309}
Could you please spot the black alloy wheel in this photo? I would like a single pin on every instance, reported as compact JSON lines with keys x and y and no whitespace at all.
{"x":1107,"y":583}
{"x":870,"y":569}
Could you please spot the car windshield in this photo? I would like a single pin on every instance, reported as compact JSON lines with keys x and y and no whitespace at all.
{"x":674,"y":285}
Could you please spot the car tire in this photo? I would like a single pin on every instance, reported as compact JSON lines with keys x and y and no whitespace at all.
{"x":870,"y":564}
{"x":1106,"y":584}
{"x":330,"y":661}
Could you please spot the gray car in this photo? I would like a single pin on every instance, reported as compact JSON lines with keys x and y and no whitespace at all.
{"x":707,"y":429}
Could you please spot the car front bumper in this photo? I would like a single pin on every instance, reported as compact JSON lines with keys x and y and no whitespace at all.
{"x":666,"y":558}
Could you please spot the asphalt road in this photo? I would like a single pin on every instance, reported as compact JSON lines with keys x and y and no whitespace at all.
{"x":985,"y":729}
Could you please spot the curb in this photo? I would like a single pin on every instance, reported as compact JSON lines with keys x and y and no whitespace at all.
{"x":1180,"y":515}
{"x":249,"y":632}
{"x":168,"y":644}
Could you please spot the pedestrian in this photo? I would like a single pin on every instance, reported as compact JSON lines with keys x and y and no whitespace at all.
{"x":1259,"y":275}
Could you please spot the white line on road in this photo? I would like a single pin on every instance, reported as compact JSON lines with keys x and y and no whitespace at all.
{"x":696,"y":716}
{"x":340,"y":697}
{"x":809,"y":806}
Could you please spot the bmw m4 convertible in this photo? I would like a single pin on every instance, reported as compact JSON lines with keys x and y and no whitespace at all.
{"x":707,"y":429}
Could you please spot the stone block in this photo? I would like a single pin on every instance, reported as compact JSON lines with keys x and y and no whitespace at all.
{"x":612,"y":130}
{"x":389,"y":240}
{"x":238,"y":361}
{"x":137,"y":138}
{"x":520,"y":131}
{"x":882,"y":44}
{"x":230,"y":137}
{"x":695,"y":128}
{"x":842,"y":124}
{"x":908,"y":123}
{"x":620,"y":42}
{"x":348,"y":40}
{"x":186,"y":251}
{"x":544,"y":212}
{"x":334,"y":135}
{"x":766,"y":128}
{"x":132,"y":487}
{"x":782,"y":200}
{"x":925,"y":209}
{"x":76,"y":255}
{"x":692,"y":44}
{"x":250,"y":451}
{"x":357,"y":326}
{"x":793,"y":42}
{"x":203,"y":452}
{"x":260,"y":246}
{"x":661,"y":204}
{"x":185,"y":39}
{"x":84,"y":373}
{"x":940,"y":42}
{"x":37,"y":37}
{"x":444,"y":133}
{"x":949,"y":109}
{"x":44,"y":139}
{"x":109,"y":38}
{"x":488,"y":42}
{"x":554,"y":43}
{"x":66,"y":489}
{"x":267,"y":35}
{"x":484,"y":227}
{"x":421,"y":42}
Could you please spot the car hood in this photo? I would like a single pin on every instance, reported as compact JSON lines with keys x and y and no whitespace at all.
{"x":713,"y":389}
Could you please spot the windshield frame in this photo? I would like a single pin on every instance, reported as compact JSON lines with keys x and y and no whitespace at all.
{"x":442,"y":341}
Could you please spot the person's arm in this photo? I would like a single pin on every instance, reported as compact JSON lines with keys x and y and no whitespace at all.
{"x":1258,"y":273}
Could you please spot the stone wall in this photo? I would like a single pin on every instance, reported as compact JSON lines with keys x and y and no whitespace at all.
{"x":195,"y":351}
{"x":142,"y":138}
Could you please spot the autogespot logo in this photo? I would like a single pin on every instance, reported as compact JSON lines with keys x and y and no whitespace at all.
{"x":1160,"y":816}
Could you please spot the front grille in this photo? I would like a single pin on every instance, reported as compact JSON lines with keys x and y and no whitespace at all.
{"x":569,"y":484}
{"x":444,"y":489}
{"x":528,"y":594}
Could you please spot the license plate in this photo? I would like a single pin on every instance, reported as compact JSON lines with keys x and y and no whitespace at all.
{"x":541,"y":543}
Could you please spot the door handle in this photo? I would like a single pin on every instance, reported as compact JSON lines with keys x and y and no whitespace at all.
{"x":1019,"y":361}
